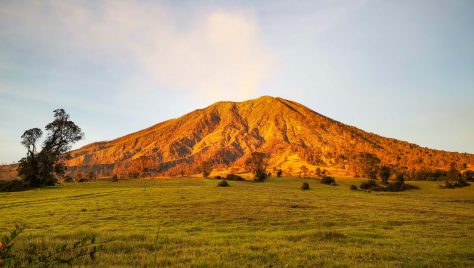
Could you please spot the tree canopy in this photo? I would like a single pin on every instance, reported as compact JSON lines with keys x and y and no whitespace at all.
{"x":40,"y":168}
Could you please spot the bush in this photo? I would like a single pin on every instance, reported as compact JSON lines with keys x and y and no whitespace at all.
{"x":279,"y":173}
{"x":353,"y":187}
{"x":453,"y":185}
{"x":328,"y":180}
{"x":68,"y":179}
{"x":368,"y":184}
{"x":223,"y":183}
{"x":218,"y":178}
{"x":233,"y":177}
{"x":394,"y":187}
{"x":12,"y":186}
{"x":115,"y":178}
{"x":305,"y":186}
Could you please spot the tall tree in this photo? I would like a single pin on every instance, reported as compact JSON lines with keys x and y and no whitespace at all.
{"x":385,"y":172}
{"x":41,"y":168}
{"x":368,"y":164}
{"x":258,"y":162}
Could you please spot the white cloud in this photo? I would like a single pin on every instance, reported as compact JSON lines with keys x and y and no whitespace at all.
{"x":216,"y":55}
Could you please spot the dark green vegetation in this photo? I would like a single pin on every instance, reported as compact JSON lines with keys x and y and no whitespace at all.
{"x":223,"y":183}
{"x":328,"y":180}
{"x":192,"y":223}
{"x":42,"y":168}
{"x":257,"y":163}
{"x":305,"y":186}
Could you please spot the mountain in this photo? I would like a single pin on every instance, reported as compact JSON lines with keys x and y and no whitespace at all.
{"x":225,"y":134}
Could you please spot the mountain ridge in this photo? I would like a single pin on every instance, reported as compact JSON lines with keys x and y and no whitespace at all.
{"x":226,"y":132}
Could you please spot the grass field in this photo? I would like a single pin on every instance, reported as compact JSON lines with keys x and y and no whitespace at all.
{"x":193,"y":223}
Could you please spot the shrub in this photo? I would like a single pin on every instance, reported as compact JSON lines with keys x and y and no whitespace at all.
{"x":218,"y":178}
{"x":368,"y":184}
{"x":68,"y":179}
{"x":452,"y":185}
{"x":233,"y":177}
{"x":328,"y":180}
{"x":305,"y":186}
{"x":279,"y":173}
{"x":394,"y":187}
{"x":115,"y":178}
{"x":12,"y":186}
{"x":353,"y":187}
{"x":469,"y":175}
{"x":223,"y":183}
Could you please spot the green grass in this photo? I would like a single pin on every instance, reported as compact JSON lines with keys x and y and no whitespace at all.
{"x":193,"y":223}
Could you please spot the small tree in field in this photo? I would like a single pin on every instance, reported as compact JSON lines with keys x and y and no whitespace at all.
{"x":258,"y":162}
{"x":206,"y":169}
{"x":304,"y":170}
{"x":385,"y":172}
{"x":368,"y":164}
{"x":279,"y":173}
{"x":40,"y":168}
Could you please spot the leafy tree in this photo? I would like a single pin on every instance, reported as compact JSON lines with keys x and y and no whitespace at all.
{"x":368,"y":164}
{"x":385,"y":172}
{"x":304,"y":170}
{"x":453,"y":173}
{"x":279,"y":173}
{"x":318,"y":171}
{"x":258,"y":163}
{"x":91,"y":175}
{"x":206,"y":169}
{"x":40,"y":168}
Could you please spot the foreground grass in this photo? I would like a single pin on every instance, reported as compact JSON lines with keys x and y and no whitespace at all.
{"x":193,"y":223}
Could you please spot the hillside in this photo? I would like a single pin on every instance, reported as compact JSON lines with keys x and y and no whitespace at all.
{"x":225,"y":133}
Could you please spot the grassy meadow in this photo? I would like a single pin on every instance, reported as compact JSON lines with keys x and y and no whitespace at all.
{"x":189,"y":222}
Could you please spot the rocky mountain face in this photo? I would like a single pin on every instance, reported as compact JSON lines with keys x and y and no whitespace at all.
{"x":225,"y":134}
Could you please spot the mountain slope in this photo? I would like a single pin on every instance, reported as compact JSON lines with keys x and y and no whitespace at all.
{"x":225,"y":133}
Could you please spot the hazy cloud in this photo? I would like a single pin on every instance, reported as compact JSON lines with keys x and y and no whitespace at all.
{"x":216,"y":54}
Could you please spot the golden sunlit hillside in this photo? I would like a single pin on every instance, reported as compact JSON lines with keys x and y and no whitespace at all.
{"x":226,"y":133}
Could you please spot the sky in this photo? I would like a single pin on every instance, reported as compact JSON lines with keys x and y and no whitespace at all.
{"x":402,"y":69}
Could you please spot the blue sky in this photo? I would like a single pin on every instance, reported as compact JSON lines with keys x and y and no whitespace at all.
{"x":401,"y":69}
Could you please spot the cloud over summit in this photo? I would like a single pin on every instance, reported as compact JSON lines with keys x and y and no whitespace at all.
{"x":215,"y":54}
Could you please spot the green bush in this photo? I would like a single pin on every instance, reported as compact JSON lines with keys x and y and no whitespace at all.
{"x":353,"y":187}
{"x":12,"y":186}
{"x":233,"y":177}
{"x":223,"y":183}
{"x":328,"y":180}
{"x":368,"y":185}
{"x":305,"y":186}
{"x":453,"y":185}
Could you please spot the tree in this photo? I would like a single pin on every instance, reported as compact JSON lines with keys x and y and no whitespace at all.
{"x":91,"y":175}
{"x":385,"y":172}
{"x":304,"y":170}
{"x":368,"y":164}
{"x":40,"y":168}
{"x":258,"y":162}
{"x":206,"y":169}
{"x":453,"y":173}
{"x":279,"y":173}
{"x":318,"y":171}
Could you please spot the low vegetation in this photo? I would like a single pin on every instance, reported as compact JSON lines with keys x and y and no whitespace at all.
{"x":223,"y":183}
{"x":192,"y":223}
{"x":37,"y":256}
{"x":305,"y":186}
{"x":328,"y":180}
